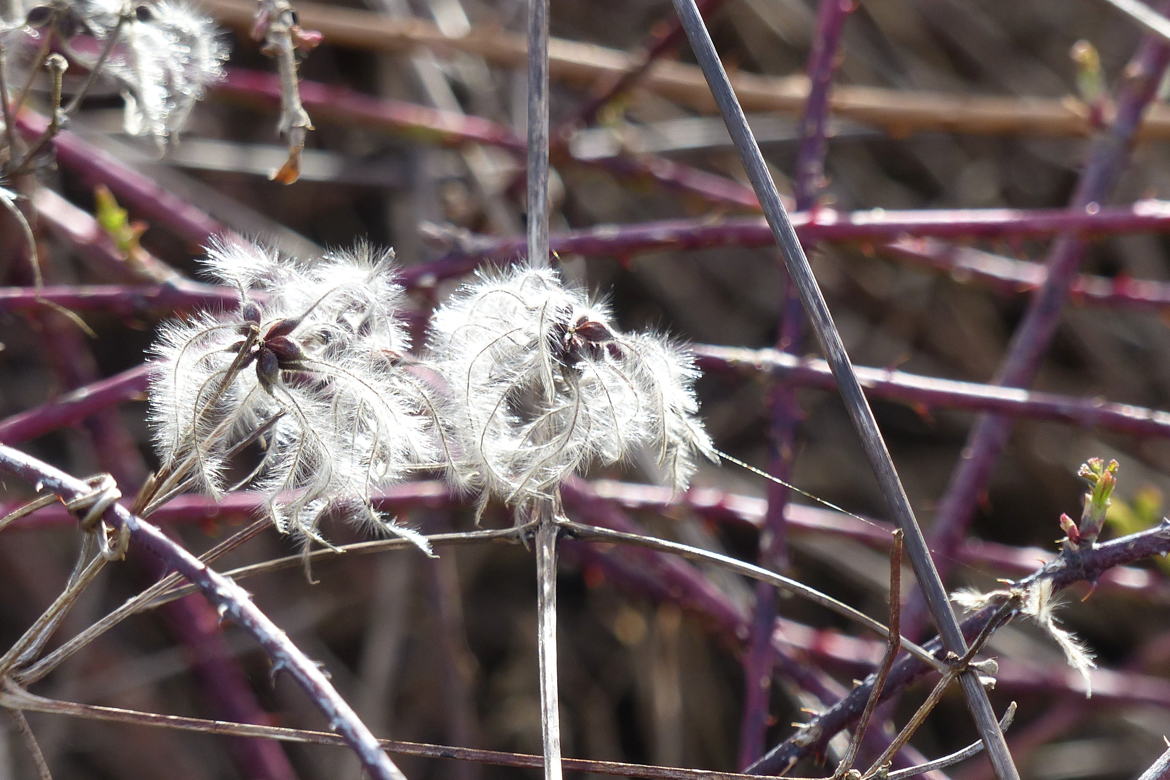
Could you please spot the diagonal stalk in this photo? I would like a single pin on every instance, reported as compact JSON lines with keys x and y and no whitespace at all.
{"x":818,"y":312}
{"x":1160,"y":769}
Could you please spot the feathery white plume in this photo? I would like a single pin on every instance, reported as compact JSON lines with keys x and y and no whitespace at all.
{"x":542,"y":385}
{"x":307,"y":371}
{"x":1038,"y":602}
{"x":164,"y":58}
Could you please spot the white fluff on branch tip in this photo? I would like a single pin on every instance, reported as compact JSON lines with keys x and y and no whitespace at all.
{"x":542,"y":385}
{"x":1038,"y":602}
{"x":300,"y":393}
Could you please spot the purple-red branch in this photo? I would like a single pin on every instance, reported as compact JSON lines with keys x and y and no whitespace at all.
{"x":142,"y":195}
{"x":164,"y":209}
{"x":861,"y":227}
{"x":664,"y":38}
{"x":74,"y":406}
{"x":716,"y":506}
{"x":889,"y":231}
{"x":668,"y":579}
{"x":326,"y":102}
{"x":814,"y":121}
{"x":722,"y":507}
{"x":431,"y":125}
{"x":927,"y":392}
{"x":1108,"y":156}
{"x":120,"y":300}
{"x":1012,"y":277}
{"x":785,"y":413}
{"x":965,"y":264}
{"x":847,"y":654}
{"x":900,"y":386}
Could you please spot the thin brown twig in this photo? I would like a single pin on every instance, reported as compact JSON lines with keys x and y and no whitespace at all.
{"x":95,"y":70}
{"x":16,"y":698}
{"x":143,"y":600}
{"x":30,"y":742}
{"x":957,"y":667}
{"x":37,"y":634}
{"x":663,"y":39}
{"x":9,"y":204}
{"x":512,"y":535}
{"x":84,"y":572}
{"x":35,"y":65}
{"x":57,"y":67}
{"x":900,"y":112}
{"x":10,"y":136}
{"x":587,"y":532}
{"x":232,"y":601}
{"x":883,"y":671}
{"x":276,"y":22}
{"x":974,"y":749}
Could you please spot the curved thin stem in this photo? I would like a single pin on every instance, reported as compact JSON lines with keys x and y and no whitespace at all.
{"x":586,"y":532}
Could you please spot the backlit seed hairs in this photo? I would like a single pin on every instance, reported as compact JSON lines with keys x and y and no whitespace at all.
{"x":541,"y":385}
{"x":299,"y":393}
{"x":307,"y":392}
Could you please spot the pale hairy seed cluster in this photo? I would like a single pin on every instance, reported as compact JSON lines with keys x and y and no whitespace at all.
{"x":166,"y":55}
{"x":542,"y":385}
{"x":306,"y":377}
{"x":162,"y":54}
{"x":305,"y":392}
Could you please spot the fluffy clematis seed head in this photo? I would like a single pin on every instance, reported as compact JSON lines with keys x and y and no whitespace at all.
{"x":542,"y":384}
{"x":299,"y":393}
{"x":164,"y":56}
{"x":162,"y":53}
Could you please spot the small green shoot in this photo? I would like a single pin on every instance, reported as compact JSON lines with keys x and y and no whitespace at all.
{"x":1102,"y":479}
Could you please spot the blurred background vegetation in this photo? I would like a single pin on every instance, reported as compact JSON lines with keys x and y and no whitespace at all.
{"x":443,"y":651}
